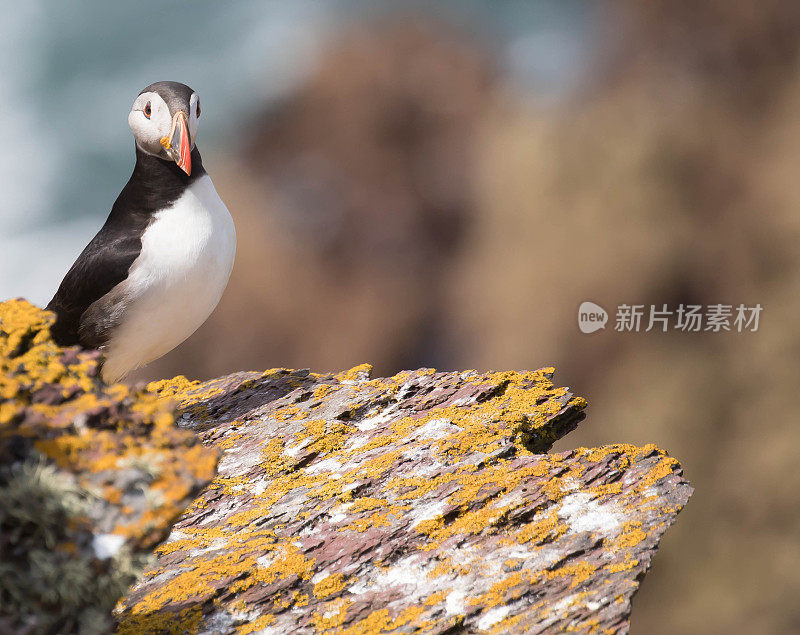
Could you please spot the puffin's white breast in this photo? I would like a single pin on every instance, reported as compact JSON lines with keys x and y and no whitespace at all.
{"x":173,"y":286}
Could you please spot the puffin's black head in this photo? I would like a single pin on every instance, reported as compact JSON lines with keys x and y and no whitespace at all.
{"x":164,"y":121}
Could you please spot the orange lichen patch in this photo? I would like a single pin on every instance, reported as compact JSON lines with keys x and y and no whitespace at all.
{"x":330,"y":585}
{"x":256,"y":625}
{"x":362,"y":524}
{"x":605,"y":490}
{"x":666,"y":466}
{"x":196,"y":582}
{"x":177,"y":545}
{"x":436,"y":598}
{"x":545,"y":529}
{"x":585,"y":626}
{"x":288,"y":561}
{"x":367,"y":503}
{"x":20,"y":320}
{"x":175,"y":387}
{"x":502,"y":591}
{"x":230,"y":440}
{"x":622,"y":566}
{"x":284,"y":413}
{"x":508,"y":625}
{"x":323,"y":437}
{"x":630,"y":536}
{"x":376,"y":466}
{"x":557,"y":488}
{"x":497,"y":478}
{"x":332,"y":616}
{"x":380,"y":621}
{"x":471,"y":522}
{"x":579,"y":571}
{"x":180,"y":623}
{"x":415,"y":487}
{"x":275,"y":460}
{"x":323,"y":390}
{"x":448,"y":568}
{"x":523,"y":406}
{"x":626,"y":454}
{"x":300,"y":599}
{"x":360,"y":372}
{"x":184,"y":394}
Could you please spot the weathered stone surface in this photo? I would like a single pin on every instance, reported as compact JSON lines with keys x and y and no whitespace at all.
{"x":418,"y":503}
{"x":423,"y":502}
{"x":91,"y":479}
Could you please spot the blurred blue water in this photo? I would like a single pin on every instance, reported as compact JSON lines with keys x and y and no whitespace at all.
{"x":70,"y":70}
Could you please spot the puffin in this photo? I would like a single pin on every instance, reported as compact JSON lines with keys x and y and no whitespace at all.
{"x":158,"y":266}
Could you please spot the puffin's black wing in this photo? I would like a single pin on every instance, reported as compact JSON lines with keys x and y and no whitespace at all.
{"x":102,"y":265}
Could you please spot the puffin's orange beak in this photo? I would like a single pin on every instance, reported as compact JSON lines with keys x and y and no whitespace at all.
{"x":177,"y":144}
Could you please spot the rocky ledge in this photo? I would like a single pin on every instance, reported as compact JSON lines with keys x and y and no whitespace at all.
{"x":423,"y":502}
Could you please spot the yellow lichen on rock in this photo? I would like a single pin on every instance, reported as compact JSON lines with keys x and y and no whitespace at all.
{"x":431,"y":488}
{"x":114,"y":447}
{"x":329,"y":585}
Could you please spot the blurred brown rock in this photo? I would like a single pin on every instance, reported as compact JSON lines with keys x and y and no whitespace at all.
{"x":674,"y":181}
{"x":356,"y":195}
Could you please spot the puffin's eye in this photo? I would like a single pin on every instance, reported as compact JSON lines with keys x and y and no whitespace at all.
{"x":198,"y":109}
{"x":147,"y":111}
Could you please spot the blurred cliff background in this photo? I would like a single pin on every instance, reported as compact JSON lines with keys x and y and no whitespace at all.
{"x":442,"y":184}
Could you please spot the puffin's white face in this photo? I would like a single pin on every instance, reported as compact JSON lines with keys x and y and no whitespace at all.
{"x":163,"y":132}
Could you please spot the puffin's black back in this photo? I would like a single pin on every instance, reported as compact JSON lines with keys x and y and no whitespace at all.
{"x":154,"y":185}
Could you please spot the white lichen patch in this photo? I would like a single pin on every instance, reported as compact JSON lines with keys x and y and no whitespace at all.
{"x":216,"y":545}
{"x":107,"y":545}
{"x":492,"y":617}
{"x":428,"y":511}
{"x":582,"y":513}
{"x":558,"y":608}
{"x":339,"y":513}
{"x":455,"y":602}
{"x":239,"y":462}
{"x":294,"y":450}
{"x":258,"y":488}
{"x":406,"y":572}
{"x":436,"y":429}
{"x":357,"y":441}
{"x":370,"y":422}
{"x":543,"y":558}
{"x":325,"y":465}
{"x":176,"y":534}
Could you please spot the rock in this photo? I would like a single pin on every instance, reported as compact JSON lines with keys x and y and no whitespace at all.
{"x":91,"y":479}
{"x":422,"y":502}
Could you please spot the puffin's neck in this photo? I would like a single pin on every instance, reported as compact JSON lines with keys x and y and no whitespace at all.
{"x":154,"y":168}
{"x":155,"y":184}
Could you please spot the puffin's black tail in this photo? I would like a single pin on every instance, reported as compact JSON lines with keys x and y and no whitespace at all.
{"x":65,"y":328}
